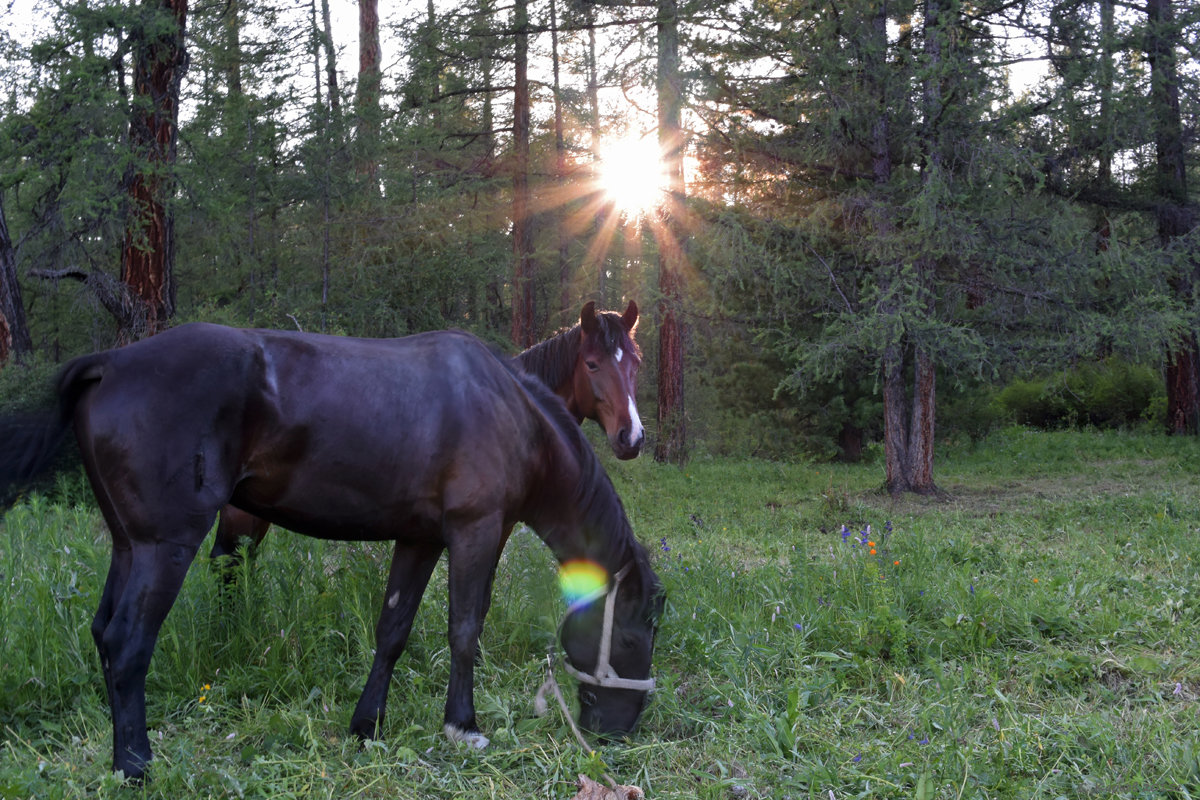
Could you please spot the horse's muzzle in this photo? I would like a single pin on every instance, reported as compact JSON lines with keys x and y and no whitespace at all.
{"x":625,"y":449}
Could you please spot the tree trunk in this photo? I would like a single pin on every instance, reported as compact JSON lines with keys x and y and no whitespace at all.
{"x":908,"y":431}
{"x":909,"y":426}
{"x":596,"y":254}
{"x":327,"y":113}
{"x":1174,"y":217}
{"x":370,"y":78}
{"x":148,"y":253}
{"x":1183,"y":387}
{"x":565,"y":303}
{"x":895,"y":425}
{"x":672,"y":243}
{"x":1108,"y":136}
{"x":335,"y":101}
{"x":15,"y":341}
{"x":523,"y":333}
{"x":486,"y":62}
{"x":233,"y":49}
{"x":316,"y":54}
{"x":876,"y":73}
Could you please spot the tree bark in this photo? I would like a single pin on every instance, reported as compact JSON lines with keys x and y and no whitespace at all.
{"x":370,"y":78}
{"x":1173,"y":215}
{"x":595,"y":255}
{"x":233,"y":49}
{"x":909,"y":424}
{"x":895,"y":425}
{"x":908,"y":417}
{"x":523,"y":333}
{"x":331,"y":79}
{"x":328,"y":112}
{"x":565,"y":304}
{"x":15,"y":341}
{"x":1183,"y":386}
{"x":876,"y":73}
{"x":672,"y":243}
{"x":148,"y":253}
{"x":1107,"y":129}
{"x":908,"y":428}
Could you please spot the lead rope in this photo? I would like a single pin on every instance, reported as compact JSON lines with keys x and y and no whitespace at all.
{"x":539,"y":705}
{"x":551,"y":683}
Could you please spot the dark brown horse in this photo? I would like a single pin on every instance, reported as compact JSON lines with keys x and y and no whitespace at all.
{"x":592,"y":367}
{"x":430,"y":441}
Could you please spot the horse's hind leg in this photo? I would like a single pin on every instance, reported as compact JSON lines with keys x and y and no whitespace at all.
{"x":118,"y":574}
{"x":142,"y":585}
{"x":412,"y":565}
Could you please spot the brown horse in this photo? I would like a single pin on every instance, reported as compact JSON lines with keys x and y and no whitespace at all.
{"x":592,"y":367}
{"x":429,"y":441}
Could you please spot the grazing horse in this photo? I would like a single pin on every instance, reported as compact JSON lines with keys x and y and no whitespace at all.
{"x":592,"y":367}
{"x":430,"y":441}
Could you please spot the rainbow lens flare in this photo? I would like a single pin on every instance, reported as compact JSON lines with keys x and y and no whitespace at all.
{"x":582,"y":581}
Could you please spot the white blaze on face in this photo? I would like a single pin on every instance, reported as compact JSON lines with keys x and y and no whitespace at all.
{"x":619,"y":355}
{"x":636,"y":432}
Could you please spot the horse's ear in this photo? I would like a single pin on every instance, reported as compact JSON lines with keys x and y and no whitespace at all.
{"x":630,"y":317}
{"x":587,"y":318}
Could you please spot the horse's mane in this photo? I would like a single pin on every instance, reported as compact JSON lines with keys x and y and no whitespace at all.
{"x":553,"y":360}
{"x":600,"y":506}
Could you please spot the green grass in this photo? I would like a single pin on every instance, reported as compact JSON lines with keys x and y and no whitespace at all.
{"x":1031,"y":634}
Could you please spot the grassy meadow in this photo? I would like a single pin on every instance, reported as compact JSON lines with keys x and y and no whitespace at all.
{"x":1031,"y":634}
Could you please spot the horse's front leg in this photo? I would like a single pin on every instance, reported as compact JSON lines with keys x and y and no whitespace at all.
{"x":411,"y":568}
{"x":474,"y":549}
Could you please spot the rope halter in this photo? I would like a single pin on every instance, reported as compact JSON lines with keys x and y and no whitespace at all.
{"x":604,"y":675}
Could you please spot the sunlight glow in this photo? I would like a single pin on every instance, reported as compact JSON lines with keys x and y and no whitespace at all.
{"x":631,"y":174}
{"x":582,"y":581}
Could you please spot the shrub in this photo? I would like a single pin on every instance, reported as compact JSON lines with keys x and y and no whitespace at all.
{"x":1112,"y":393}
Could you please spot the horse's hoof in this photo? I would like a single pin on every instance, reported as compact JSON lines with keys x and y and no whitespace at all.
{"x":473,"y":738}
{"x":133,"y":774}
{"x":367,"y":730}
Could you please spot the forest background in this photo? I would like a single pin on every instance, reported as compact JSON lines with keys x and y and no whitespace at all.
{"x":869,"y":215}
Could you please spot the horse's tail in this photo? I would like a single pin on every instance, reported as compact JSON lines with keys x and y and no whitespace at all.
{"x":29,"y":443}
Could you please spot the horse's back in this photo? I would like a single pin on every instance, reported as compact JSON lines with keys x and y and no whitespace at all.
{"x":331,"y":436}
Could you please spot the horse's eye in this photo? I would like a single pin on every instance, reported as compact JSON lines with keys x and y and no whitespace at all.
{"x":592,"y":365}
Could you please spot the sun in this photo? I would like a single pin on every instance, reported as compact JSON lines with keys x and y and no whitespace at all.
{"x":631,"y":174}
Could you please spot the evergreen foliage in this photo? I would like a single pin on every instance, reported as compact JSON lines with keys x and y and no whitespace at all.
{"x":868,"y":191}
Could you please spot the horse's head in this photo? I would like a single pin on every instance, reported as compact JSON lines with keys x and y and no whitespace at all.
{"x":606,"y":377}
{"x":609,"y":640}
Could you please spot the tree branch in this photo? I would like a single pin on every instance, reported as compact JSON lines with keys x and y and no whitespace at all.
{"x":111,"y":293}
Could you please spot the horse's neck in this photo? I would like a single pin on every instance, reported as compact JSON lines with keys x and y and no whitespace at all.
{"x":553,"y":361}
{"x":575,"y":544}
{"x":590,"y":525}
